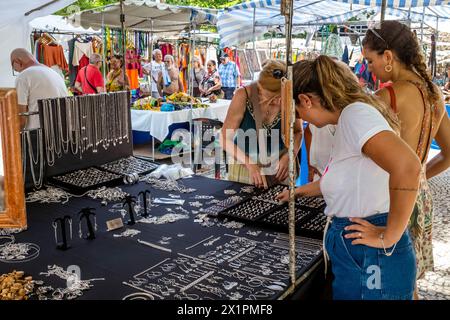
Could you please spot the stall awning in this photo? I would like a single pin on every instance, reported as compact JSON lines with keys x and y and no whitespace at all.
{"x":53,"y":23}
{"x":397,"y":3}
{"x":141,"y":14}
{"x":15,"y":30}
{"x":235,"y":24}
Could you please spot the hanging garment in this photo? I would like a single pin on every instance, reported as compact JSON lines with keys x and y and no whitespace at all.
{"x":133,"y":68}
{"x":333,"y":46}
{"x":211,"y":54}
{"x":54,"y":55}
{"x":73,"y":70}
{"x":80,"y":49}
{"x":345,"y":57}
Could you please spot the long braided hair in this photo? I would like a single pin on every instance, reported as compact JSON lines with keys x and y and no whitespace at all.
{"x":403,"y":42}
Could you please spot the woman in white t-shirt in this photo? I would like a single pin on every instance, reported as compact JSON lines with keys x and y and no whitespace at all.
{"x":370,"y":184}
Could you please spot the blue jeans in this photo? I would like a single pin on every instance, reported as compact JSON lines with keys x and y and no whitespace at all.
{"x":365,"y":273}
{"x":229,"y":92}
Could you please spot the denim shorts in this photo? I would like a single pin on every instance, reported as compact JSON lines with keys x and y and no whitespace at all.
{"x":366,"y":273}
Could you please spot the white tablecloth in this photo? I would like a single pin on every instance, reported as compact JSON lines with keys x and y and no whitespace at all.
{"x":157,"y":123}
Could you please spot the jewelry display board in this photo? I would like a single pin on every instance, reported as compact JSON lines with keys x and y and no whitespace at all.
{"x":84,"y":131}
{"x":244,"y":67}
{"x":176,"y":252}
{"x":253,"y":60}
{"x":262,"y":210}
{"x":234,"y":268}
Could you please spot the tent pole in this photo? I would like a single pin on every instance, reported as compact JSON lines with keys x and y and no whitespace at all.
{"x":122,"y":27}
{"x":287,"y":7}
{"x":104,"y":48}
{"x":383,"y":10}
{"x":421,"y":26}
{"x":254,"y":28}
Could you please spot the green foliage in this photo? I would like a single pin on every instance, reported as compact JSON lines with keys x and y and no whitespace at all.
{"x":91,"y":4}
{"x":85,"y":5}
{"x":205,"y":3}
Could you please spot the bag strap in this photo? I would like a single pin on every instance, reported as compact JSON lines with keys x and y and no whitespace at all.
{"x":86,"y":78}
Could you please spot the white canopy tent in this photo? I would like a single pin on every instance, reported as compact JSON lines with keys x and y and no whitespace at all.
{"x":15,"y":29}
{"x":144,"y":15}
{"x":53,"y":23}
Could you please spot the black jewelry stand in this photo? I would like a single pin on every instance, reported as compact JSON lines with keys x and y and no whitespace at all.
{"x":144,"y":199}
{"x":86,"y":213}
{"x":62,"y":223}
{"x":130,"y":200}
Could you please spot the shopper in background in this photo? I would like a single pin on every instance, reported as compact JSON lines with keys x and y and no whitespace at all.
{"x":34,"y":82}
{"x":394,"y":54}
{"x":211,"y":83}
{"x":153,"y":69}
{"x":370,"y":184}
{"x":196,"y":76}
{"x":256,"y":108}
{"x":230,"y":76}
{"x":169,"y":78}
{"x":319,"y":142}
{"x":115,"y":80}
{"x":90,"y":79}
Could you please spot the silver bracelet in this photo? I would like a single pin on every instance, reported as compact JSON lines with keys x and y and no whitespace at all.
{"x":388,"y":254}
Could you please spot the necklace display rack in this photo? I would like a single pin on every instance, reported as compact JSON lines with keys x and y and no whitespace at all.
{"x":83,"y":132}
{"x":262,"y":210}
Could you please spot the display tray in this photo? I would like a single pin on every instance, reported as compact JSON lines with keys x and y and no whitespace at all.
{"x":262,"y":210}
{"x":81,"y":181}
{"x":130,"y":165}
{"x":308,"y":223}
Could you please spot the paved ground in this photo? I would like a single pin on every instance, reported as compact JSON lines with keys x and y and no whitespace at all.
{"x":436,"y":285}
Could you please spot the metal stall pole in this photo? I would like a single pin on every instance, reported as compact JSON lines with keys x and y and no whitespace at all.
{"x":287,"y":9}
{"x":254,"y":27}
{"x":151,"y":79}
{"x":383,"y":10}
{"x":104,"y":55}
{"x":192,"y":158}
{"x":122,"y":26}
{"x":421,"y":26}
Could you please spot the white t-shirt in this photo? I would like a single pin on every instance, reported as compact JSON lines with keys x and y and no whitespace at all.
{"x":155,"y":68}
{"x":36,"y":83}
{"x":321,"y":144}
{"x":353,"y":185}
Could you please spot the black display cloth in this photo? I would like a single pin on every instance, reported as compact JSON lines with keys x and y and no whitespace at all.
{"x":244,"y":263}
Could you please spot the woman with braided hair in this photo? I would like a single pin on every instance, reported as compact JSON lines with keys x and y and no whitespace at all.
{"x":393,"y":54}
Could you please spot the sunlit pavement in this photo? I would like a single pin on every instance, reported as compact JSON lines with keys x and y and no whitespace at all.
{"x":436,"y":285}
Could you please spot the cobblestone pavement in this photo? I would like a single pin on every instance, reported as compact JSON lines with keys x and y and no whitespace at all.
{"x":436,"y":285}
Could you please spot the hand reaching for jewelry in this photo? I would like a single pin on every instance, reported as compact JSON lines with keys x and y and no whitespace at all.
{"x":367,"y":234}
{"x":256,"y":177}
{"x":282,"y":168}
{"x":283,"y":196}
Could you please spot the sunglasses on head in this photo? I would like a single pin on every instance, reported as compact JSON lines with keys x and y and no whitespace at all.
{"x":378,"y":36}
{"x":278,"y":73}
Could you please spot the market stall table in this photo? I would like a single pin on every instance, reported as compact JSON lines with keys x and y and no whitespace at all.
{"x":193,"y":257}
{"x":157,"y":123}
